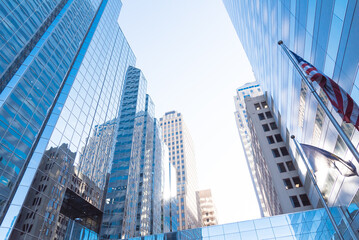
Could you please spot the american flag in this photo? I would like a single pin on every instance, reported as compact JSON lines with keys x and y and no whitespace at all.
{"x":341,"y":100}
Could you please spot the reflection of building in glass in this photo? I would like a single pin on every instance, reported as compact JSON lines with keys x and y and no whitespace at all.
{"x":56,"y":164}
{"x":80,"y":199}
{"x":323,"y":33}
{"x":181,"y":155}
{"x":312,"y":224}
{"x":134,"y":196}
{"x":96,"y":158}
{"x":62,"y":72}
{"x":207,"y":210}
{"x":277,"y":176}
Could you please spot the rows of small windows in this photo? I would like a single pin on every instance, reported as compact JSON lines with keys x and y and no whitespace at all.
{"x":273,"y":126}
{"x":277,"y":137}
{"x":172,"y":121}
{"x":283,"y":152}
{"x":262,"y":105}
{"x":295,"y":201}
{"x":265,"y":115}
{"x":287,"y":166}
{"x":242,"y":89}
{"x":296,"y":183}
{"x":167,"y":135}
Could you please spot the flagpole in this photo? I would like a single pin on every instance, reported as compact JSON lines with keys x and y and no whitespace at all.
{"x":311,"y":175}
{"x":326,"y":110}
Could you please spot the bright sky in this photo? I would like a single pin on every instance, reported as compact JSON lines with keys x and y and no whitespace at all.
{"x":193,"y":61}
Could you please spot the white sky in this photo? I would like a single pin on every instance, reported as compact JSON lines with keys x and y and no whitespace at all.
{"x":193,"y":61}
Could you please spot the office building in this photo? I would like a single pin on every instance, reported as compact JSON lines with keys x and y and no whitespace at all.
{"x":248,"y":90}
{"x":277,"y":176}
{"x":169,"y":201}
{"x":311,"y":224}
{"x":62,"y":69}
{"x":133,"y":201}
{"x":325,"y":34}
{"x":181,"y":155}
{"x":207,"y":209}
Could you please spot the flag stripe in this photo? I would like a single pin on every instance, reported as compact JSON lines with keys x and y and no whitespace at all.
{"x":349,"y":110}
{"x":341,"y":100}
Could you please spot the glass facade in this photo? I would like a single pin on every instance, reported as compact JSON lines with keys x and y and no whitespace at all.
{"x":325,"y":33}
{"x":135,"y":184}
{"x":22,"y":25}
{"x":58,"y":113}
{"x":306,"y":225}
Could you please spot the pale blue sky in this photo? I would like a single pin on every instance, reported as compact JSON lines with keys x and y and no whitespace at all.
{"x":193,"y":61}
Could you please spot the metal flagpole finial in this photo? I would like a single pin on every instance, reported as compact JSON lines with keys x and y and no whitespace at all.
{"x":280,"y":42}
{"x":292,"y":137}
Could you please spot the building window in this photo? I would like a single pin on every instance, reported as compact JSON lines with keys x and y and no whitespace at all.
{"x":295,"y":201}
{"x":265,"y":127}
{"x":297,"y":182}
{"x":275,"y":153}
{"x":270,"y":140}
{"x":305,"y":199}
{"x":269,"y":115}
{"x":257,"y":106}
{"x":290,"y":166}
{"x":264,"y":104}
{"x":273,"y":126}
{"x":278,"y":138}
{"x":284,"y":151}
{"x":287,"y":183}
{"x":261,"y":116}
{"x":281,"y":167}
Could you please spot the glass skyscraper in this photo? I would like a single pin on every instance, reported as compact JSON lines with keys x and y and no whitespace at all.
{"x":62,"y":70}
{"x":324,"y":33}
{"x":139,"y":169}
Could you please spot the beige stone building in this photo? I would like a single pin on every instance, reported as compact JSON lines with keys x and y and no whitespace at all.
{"x":181,"y":155}
{"x":207,"y":209}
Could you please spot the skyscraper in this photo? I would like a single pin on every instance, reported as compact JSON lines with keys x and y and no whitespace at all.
{"x":325,"y":33}
{"x":136,"y":181}
{"x":181,"y":155}
{"x":278,"y":181}
{"x":170,"y":201}
{"x":248,"y":90}
{"x":63,"y":65}
{"x":207,"y":209}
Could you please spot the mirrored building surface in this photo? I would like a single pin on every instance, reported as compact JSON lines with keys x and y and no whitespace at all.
{"x":137,"y":177}
{"x":63,"y":65}
{"x":313,"y":224}
{"x":325,"y":33}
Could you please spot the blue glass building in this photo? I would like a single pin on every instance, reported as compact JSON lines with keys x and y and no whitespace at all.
{"x":313,"y":224}
{"x":62,"y":69}
{"x":325,"y":33}
{"x":136,"y":184}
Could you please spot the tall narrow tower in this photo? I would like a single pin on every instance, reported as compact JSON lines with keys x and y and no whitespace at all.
{"x":248,"y":90}
{"x":181,"y":155}
{"x":135,"y":185}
